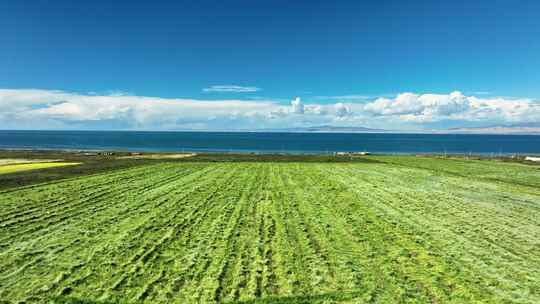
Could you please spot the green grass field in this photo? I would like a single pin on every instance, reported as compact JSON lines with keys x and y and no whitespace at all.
{"x":390,"y":230}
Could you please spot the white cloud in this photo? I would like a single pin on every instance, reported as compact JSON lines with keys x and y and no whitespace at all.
{"x":423,"y":108}
{"x":45,"y":109}
{"x":341,"y":109}
{"x":344,"y":97}
{"x":316,"y":109}
{"x":231,"y":89}
{"x":482,"y":93}
{"x":296,"y":106}
{"x":49,"y":109}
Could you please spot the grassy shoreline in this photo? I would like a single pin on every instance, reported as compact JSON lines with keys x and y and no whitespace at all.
{"x":93,"y":162}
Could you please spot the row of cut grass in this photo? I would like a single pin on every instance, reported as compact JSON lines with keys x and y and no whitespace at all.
{"x":398,"y":230}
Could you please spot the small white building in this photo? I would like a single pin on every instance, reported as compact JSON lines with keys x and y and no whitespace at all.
{"x":534,"y":159}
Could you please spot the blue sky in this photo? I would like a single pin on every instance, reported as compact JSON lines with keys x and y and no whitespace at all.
{"x":330,"y":54}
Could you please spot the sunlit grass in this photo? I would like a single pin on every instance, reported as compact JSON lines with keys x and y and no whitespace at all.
{"x":396,"y":230}
{"x":4,"y":169}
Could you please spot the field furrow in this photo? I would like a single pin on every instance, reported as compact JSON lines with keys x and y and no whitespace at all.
{"x":398,"y":230}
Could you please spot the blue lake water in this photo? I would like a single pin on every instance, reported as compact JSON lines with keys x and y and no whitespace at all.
{"x":269,"y":142}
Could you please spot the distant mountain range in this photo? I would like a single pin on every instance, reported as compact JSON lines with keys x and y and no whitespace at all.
{"x":329,"y":129}
{"x":516,"y":130}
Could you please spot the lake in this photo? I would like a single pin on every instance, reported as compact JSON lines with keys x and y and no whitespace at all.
{"x":259,"y":142}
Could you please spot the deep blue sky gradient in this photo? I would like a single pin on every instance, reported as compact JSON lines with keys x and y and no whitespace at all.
{"x":288,"y":48}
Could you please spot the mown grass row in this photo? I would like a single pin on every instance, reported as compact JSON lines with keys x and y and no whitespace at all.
{"x":388,"y":231}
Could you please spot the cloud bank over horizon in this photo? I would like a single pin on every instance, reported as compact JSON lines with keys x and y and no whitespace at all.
{"x":52,"y":109}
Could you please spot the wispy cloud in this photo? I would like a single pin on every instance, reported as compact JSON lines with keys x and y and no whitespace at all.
{"x":231,"y":89}
{"x":482,"y":93}
{"x":344,"y":97}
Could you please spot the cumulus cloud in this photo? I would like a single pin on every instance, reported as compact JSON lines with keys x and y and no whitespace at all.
{"x":297,"y":106}
{"x":231,"y":89}
{"x":341,"y":109}
{"x":455,"y":106}
{"x":49,"y":109}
